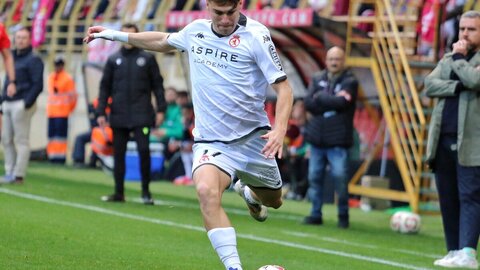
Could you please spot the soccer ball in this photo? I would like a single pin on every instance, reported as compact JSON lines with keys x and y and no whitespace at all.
{"x":271,"y":267}
{"x":405,"y":222}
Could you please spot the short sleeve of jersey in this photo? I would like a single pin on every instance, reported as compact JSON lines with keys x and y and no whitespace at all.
{"x":266,"y":55}
{"x":179,"y":39}
{"x":4,"y":39}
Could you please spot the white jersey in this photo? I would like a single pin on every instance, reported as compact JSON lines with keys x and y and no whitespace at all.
{"x":230,"y":77}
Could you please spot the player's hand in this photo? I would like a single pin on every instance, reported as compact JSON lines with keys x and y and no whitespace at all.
{"x":94,"y":32}
{"x":274,"y":146}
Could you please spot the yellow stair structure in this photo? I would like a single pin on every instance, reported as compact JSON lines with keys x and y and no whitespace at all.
{"x":392,"y":44}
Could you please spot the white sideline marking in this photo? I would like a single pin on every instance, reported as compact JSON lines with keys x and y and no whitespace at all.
{"x":349,"y":243}
{"x":197,"y":228}
{"x":228,"y":210}
{"x":298,"y":234}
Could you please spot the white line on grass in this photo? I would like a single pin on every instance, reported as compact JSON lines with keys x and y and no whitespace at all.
{"x":349,"y":243}
{"x":229,"y":210}
{"x":298,"y":234}
{"x":197,"y":228}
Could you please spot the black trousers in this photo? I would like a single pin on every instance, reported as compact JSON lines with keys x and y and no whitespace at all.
{"x":459,"y":193}
{"x":120,"y":138}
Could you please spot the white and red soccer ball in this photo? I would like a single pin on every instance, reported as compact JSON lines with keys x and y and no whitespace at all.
{"x":271,"y":267}
{"x":405,"y":222}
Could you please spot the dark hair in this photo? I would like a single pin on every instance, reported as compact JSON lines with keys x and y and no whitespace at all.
{"x":182,"y":93}
{"x":189,"y":105}
{"x":59,"y":61}
{"x":225,"y":2}
{"x":130,"y":26}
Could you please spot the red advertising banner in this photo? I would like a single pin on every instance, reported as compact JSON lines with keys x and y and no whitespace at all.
{"x":270,"y":18}
{"x":39,"y":24}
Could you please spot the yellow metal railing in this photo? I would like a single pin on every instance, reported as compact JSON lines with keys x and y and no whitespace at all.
{"x":399,"y":100}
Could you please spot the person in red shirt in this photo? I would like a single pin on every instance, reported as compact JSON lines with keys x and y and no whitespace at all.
{"x":7,"y":63}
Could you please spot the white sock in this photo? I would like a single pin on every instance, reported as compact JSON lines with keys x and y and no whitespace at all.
{"x":249,"y":196}
{"x":224,"y":241}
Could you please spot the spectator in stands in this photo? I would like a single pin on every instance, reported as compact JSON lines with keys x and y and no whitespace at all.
{"x":185,"y":145}
{"x":453,"y":146}
{"x":171,"y":133}
{"x":290,"y":4}
{"x":130,"y":77}
{"x":264,"y":4}
{"x":7,"y":63}
{"x":62,"y":99}
{"x":19,"y":107}
{"x":180,"y":5}
{"x":172,"y":126}
{"x":153,"y":9}
{"x":298,"y":154}
{"x":101,"y":8}
{"x":330,"y":100}
{"x":82,"y":139}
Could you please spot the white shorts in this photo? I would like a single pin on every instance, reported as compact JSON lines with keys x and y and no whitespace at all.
{"x":241,"y":159}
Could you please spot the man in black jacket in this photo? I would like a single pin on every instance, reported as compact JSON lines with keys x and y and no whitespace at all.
{"x":19,"y":107}
{"x":129,"y":78}
{"x":331,"y":102}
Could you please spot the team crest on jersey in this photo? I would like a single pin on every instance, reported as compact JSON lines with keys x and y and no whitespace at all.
{"x":200,"y":35}
{"x":118,"y":61}
{"x":275,"y":57}
{"x":234,"y":41}
{"x":141,"y":61}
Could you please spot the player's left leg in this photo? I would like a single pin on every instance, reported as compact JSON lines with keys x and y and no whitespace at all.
{"x":260,"y":183}
{"x":268,"y":197}
{"x":255,"y":203}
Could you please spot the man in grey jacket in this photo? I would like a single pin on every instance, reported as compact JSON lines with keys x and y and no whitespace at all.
{"x":453,"y":148}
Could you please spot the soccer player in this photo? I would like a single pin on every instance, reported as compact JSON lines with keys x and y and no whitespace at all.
{"x":232,"y":62}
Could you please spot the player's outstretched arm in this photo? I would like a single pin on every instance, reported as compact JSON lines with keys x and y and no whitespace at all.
{"x":154,"y":41}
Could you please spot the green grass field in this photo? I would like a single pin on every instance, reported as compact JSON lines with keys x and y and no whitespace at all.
{"x":56,"y":221}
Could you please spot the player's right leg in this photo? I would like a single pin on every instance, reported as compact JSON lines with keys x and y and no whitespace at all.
{"x":211,"y":182}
